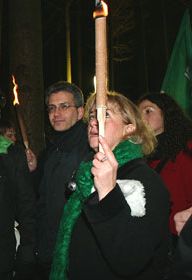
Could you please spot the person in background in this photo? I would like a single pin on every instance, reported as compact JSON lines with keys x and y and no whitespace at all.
{"x":17,"y":203}
{"x":8,"y":131}
{"x":69,"y":147}
{"x":172,"y":158}
{"x":115,"y":224}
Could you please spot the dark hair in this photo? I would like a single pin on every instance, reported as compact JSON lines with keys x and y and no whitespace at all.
{"x":68,"y":87}
{"x":177,"y":125}
{"x":4,"y":125}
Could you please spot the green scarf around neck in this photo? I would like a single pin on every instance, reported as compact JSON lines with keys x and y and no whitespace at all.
{"x":124,"y":152}
{"x":4,"y":144}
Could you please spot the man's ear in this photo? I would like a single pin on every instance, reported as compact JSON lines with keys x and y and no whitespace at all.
{"x":129,"y":129}
{"x":80,"y":111}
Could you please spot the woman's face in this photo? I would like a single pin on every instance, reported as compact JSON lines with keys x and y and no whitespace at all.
{"x":10,"y":134}
{"x":152,"y":114}
{"x":115,"y":129}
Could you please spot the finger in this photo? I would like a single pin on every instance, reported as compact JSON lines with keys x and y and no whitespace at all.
{"x":104,"y":159}
{"x":107,"y":151}
{"x":100,"y":156}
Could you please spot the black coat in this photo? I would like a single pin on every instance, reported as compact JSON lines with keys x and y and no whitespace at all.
{"x":63,"y":159}
{"x":17,"y":203}
{"x":109,"y":243}
{"x":182,"y":264}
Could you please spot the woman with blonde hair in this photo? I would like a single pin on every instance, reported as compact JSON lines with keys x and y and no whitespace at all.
{"x":115,"y":224}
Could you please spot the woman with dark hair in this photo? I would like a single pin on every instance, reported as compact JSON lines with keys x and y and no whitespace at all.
{"x":115,"y":224}
{"x":173,"y":155}
{"x":7,"y":130}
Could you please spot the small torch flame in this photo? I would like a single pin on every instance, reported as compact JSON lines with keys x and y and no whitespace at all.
{"x":101,"y":9}
{"x":19,"y":114}
{"x":15,"y":91}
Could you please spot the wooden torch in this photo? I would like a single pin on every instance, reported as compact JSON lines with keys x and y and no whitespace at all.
{"x":100,"y":15}
{"x":19,"y":115}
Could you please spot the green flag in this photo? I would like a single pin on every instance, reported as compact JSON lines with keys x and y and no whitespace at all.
{"x":178,"y":78}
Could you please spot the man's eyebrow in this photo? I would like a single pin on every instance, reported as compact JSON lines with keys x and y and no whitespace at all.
{"x":64,"y":102}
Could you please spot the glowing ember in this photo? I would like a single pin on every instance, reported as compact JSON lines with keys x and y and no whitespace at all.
{"x":15,"y":91}
{"x":101,"y":10}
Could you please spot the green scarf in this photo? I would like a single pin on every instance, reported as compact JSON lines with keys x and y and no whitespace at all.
{"x":124,"y":152}
{"x":4,"y":144}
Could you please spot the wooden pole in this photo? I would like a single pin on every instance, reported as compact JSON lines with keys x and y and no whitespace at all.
{"x":22,"y":127}
{"x":101,"y":64}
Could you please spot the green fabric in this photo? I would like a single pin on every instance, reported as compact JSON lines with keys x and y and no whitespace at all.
{"x":124,"y":152}
{"x":4,"y":144}
{"x":178,"y":78}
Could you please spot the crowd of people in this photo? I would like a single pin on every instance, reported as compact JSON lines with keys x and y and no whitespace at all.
{"x":123,"y":213}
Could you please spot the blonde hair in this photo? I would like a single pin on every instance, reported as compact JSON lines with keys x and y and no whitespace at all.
{"x":130,"y":115}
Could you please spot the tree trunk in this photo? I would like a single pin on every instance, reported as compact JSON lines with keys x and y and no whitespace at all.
{"x":25,"y":43}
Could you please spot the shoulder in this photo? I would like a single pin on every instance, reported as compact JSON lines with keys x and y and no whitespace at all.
{"x":186,"y":154}
{"x":141,"y":172}
{"x":138,"y":168}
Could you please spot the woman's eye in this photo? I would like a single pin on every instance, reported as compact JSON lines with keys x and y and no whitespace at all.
{"x":148,"y":110}
{"x":107,"y":115}
{"x":91,"y":117}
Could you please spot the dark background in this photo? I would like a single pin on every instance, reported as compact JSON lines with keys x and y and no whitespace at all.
{"x":141,"y":34}
{"x":138,"y":53}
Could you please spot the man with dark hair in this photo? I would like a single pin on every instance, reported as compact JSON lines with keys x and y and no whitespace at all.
{"x":69,"y":147}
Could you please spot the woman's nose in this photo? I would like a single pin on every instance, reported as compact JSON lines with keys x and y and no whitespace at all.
{"x":93,"y":122}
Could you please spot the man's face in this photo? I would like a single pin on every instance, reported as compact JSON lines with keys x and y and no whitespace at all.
{"x":63,"y":113}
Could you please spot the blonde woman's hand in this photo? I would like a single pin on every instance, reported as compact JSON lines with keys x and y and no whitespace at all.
{"x":104,"y":170}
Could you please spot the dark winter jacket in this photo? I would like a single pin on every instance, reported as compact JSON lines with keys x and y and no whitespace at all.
{"x":114,"y":239}
{"x":62,"y":161}
{"x":182,"y":268}
{"x":17,"y":203}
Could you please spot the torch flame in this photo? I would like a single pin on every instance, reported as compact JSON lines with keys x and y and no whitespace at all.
{"x":101,"y":9}
{"x":15,"y":91}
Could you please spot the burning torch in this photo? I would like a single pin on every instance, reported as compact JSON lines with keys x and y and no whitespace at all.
{"x":19,"y":114}
{"x":100,"y":14}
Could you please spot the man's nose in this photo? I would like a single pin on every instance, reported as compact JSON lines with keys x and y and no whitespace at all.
{"x":57,"y":110}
